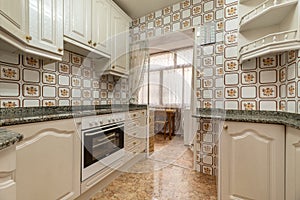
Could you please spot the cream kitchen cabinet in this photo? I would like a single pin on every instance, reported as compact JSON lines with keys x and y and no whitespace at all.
{"x":101,"y":25}
{"x":292,"y":164}
{"x":34,"y":26}
{"x":8,"y":173}
{"x":119,"y":42}
{"x":77,"y":25}
{"x":252,"y":161}
{"x":13,"y":17}
{"x":48,"y":161}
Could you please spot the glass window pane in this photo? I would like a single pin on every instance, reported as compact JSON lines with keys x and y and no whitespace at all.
{"x":172,"y":86}
{"x":161,"y":61}
{"x":185,"y":56}
{"x":154,"y":85}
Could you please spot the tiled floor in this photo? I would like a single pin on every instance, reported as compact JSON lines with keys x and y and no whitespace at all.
{"x":166,"y":175}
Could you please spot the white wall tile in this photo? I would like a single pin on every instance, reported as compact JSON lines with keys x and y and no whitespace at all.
{"x":9,"y":89}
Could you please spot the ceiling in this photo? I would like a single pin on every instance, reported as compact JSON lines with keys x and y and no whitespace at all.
{"x":140,"y":8}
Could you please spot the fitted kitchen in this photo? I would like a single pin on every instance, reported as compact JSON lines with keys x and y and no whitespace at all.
{"x":178,"y":99}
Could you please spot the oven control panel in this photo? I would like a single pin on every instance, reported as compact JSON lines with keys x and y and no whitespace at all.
{"x":102,"y":120}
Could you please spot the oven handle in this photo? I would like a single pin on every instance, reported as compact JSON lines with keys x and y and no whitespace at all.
{"x":92,"y":134}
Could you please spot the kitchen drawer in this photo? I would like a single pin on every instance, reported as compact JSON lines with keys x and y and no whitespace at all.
{"x":137,"y":114}
{"x":141,"y":121}
{"x":138,"y":132}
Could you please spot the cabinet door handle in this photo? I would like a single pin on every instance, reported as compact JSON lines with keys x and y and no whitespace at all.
{"x":60,"y":49}
{"x":28,"y":38}
{"x":90,"y":42}
{"x":95,"y":44}
{"x":225,"y":127}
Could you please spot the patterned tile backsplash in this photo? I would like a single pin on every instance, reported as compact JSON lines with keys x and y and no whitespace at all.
{"x":271,"y":82}
{"x":27,"y":81}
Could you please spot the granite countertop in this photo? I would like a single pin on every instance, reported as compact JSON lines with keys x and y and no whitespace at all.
{"x":267,"y":117}
{"x":8,"y":138}
{"x":15,"y":116}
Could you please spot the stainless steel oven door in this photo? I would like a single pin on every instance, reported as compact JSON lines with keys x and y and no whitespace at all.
{"x":101,"y":146}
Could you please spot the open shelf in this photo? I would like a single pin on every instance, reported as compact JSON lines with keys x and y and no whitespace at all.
{"x":276,"y":42}
{"x":266,"y":14}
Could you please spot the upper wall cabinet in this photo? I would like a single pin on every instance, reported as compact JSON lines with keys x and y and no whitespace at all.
{"x":120,"y":42}
{"x":87,"y":25}
{"x":34,"y":26}
{"x":268,"y":27}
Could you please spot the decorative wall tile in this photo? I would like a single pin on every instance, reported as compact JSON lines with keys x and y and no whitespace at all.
{"x":9,"y":73}
{"x":231,"y":11}
{"x":208,"y":6}
{"x":49,"y":91}
{"x":282,"y":106}
{"x":249,"y":78}
{"x":292,"y":56}
{"x":9,"y":103}
{"x":76,"y":59}
{"x":31,"y":103}
{"x":231,"y":105}
{"x":291,"y":90}
{"x":231,"y":52}
{"x":231,"y":65}
{"x":231,"y":24}
{"x":268,"y":92}
{"x":291,"y":72}
{"x":248,"y":105}
{"x":291,"y":106}
{"x":268,"y":76}
{"x":49,"y":78}
{"x":248,"y":92}
{"x":9,"y":58}
{"x":63,"y":68}
{"x":29,"y":61}
{"x":231,"y":93}
{"x":268,"y":61}
{"x":282,"y":74}
{"x":249,"y":64}
{"x":268,"y":105}
{"x":231,"y":38}
{"x":31,"y":90}
{"x":63,"y":80}
{"x":231,"y":79}
{"x":282,"y":91}
{"x":31,"y":76}
{"x":63,"y":102}
{"x":49,"y":102}
{"x":9,"y":89}
{"x":64,"y":92}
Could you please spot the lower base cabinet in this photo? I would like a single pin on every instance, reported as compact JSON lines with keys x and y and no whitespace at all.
{"x":48,"y":161}
{"x":252,"y":161}
{"x":292,"y":187}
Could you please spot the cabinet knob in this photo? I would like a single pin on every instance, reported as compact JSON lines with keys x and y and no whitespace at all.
{"x":113,"y":67}
{"x":225,"y":127}
{"x":90,"y":42}
{"x":95,"y":44}
{"x":60,"y":49}
{"x":134,"y":143}
{"x":28,"y":38}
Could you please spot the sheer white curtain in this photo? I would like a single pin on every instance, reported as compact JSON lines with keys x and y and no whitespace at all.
{"x":139,"y":55}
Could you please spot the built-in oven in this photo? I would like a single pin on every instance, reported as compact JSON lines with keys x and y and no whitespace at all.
{"x":102,"y":142}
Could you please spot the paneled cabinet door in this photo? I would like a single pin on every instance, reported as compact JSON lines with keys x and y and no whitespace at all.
{"x":46,"y":25}
{"x":252,"y":161}
{"x":13,"y":17}
{"x":48,"y":161}
{"x":77,"y":25}
{"x":292,"y":164}
{"x":101,"y":25}
{"x":120,"y":42}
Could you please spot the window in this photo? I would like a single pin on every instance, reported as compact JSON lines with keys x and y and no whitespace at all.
{"x":170,"y":79}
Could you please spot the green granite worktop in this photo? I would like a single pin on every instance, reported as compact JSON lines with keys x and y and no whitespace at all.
{"x":15,"y":116}
{"x":267,"y":117}
{"x":8,"y":138}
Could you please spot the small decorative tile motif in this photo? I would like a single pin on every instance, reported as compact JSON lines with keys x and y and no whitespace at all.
{"x":268,"y":61}
{"x":249,"y":78}
{"x":282,"y":74}
{"x":291,"y":90}
{"x":231,"y":38}
{"x":207,"y":170}
{"x":208,"y":61}
{"x":186,"y":23}
{"x":219,"y":3}
{"x":208,"y":83}
{"x":231,"y":11}
{"x":220,"y":26}
{"x":87,"y":94}
{"x":248,"y":105}
{"x":63,"y":68}
{"x":282,"y":106}
{"x":219,"y":48}
{"x":49,"y":78}
{"x":208,"y":17}
{"x":268,"y":92}
{"x":64,"y":92}
{"x":31,"y":90}
{"x":49,"y":103}
{"x":76,"y":59}
{"x":231,"y":65}
{"x":207,"y":104}
{"x":167,"y":10}
{"x":291,"y":56}
{"x":9,"y":103}
{"x":29,"y":61}
{"x":9,"y":73}
{"x":231,"y":93}
{"x":219,"y":94}
{"x":219,"y":71}
{"x":196,"y":10}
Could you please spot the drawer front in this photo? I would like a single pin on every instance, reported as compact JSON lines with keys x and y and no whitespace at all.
{"x":136,"y":114}
{"x":138,"y":132}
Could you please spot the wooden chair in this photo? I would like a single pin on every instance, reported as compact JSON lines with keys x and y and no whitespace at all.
{"x":161,"y":119}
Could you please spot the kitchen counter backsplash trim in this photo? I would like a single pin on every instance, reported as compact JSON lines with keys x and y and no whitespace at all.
{"x":15,"y":116}
{"x":8,"y":138}
{"x":255,"y":116}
